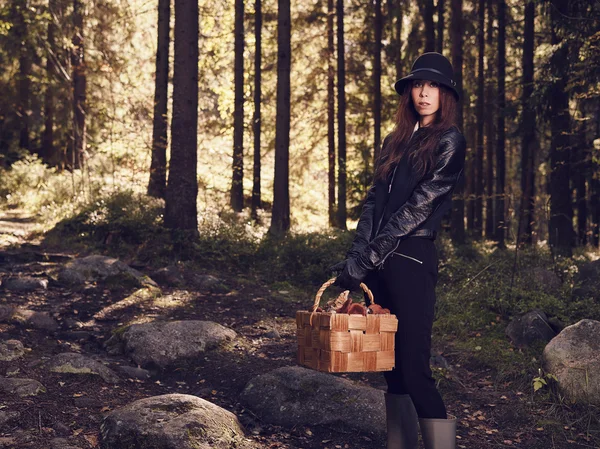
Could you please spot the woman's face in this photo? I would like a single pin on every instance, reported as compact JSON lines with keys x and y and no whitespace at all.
{"x":426,"y":98}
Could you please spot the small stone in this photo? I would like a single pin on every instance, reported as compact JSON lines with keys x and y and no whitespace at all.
{"x":37,"y":320}
{"x":134,"y":372}
{"x":273,"y":334}
{"x":62,"y":429}
{"x":8,"y":416}
{"x":24,"y":284}
{"x":21,"y":387}
{"x":11,"y":350}
{"x":74,"y":363}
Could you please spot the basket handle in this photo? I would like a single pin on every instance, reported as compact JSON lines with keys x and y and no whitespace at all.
{"x":327,"y":284}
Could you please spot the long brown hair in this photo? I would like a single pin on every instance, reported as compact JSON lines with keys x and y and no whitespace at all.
{"x":421,"y":148}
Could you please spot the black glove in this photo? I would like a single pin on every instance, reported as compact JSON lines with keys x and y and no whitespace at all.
{"x":353,"y":273}
{"x":338,"y":267}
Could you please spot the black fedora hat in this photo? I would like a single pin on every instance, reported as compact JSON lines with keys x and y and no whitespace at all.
{"x":430,"y":66}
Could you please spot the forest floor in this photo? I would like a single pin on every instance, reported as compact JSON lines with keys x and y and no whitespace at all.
{"x":491,"y":414}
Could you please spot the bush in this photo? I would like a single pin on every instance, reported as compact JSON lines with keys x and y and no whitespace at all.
{"x":122,"y":218}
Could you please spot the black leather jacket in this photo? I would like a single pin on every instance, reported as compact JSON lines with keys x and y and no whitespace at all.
{"x":405,"y":205}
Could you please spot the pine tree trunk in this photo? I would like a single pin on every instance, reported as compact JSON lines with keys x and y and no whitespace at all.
{"x":256,"y":119}
{"x":331,"y":113}
{"x":489,"y":123}
{"x":341,"y":211}
{"x":479,"y":178}
{"x":157,"y":184}
{"x":470,"y":164}
{"x":427,"y":9}
{"x":501,"y":142}
{"x":456,"y":37}
{"x":581,"y":161}
{"x":79,"y":89}
{"x":378,"y":25}
{"x":24,"y":83}
{"x":398,"y":39}
{"x":47,"y":150}
{"x":528,"y":130}
{"x":237,"y":180}
{"x":561,"y":210}
{"x":280,"y":220}
{"x":182,"y":187}
{"x":439,"y":47}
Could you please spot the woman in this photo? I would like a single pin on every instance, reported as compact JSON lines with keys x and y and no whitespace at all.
{"x":394,"y":251}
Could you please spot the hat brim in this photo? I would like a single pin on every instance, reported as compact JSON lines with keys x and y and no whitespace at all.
{"x":425,"y":75}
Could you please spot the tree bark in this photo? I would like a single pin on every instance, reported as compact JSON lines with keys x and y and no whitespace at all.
{"x":157,"y":184}
{"x":456,"y":37}
{"x":479,"y":178}
{"x":331,"y":113}
{"x":48,"y":150}
{"x":280,"y":219}
{"x":561,"y":210}
{"x":440,"y":26}
{"x":489,"y":123}
{"x":427,"y":8}
{"x":398,"y":38}
{"x":24,"y":83}
{"x":527,"y":130}
{"x":581,"y":163}
{"x":256,"y":119}
{"x":378,"y":25}
{"x":500,"y":224}
{"x":77,"y":156}
{"x":237,"y":181}
{"x":341,"y":211}
{"x":182,"y":187}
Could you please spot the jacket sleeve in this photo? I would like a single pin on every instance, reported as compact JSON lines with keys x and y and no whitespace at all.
{"x":428,"y":195}
{"x":365,"y":223}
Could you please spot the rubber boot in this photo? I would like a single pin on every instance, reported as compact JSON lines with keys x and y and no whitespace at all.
{"x":438,"y":433}
{"x":402,"y":422}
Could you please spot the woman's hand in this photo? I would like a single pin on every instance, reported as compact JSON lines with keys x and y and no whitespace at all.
{"x":351,"y":276}
{"x":338,"y":267}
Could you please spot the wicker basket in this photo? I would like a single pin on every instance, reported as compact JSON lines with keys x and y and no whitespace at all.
{"x":338,"y":342}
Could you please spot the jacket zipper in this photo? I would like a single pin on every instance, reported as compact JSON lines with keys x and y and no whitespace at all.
{"x":409,"y":257}
{"x":388,"y":254}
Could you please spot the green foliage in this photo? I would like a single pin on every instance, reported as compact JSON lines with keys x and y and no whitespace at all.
{"x":124,"y":217}
{"x":542,"y":380}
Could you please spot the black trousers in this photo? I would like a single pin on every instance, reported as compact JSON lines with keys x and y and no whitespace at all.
{"x":406,"y":285}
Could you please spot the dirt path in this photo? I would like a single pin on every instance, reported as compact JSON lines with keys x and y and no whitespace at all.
{"x":69,"y":414}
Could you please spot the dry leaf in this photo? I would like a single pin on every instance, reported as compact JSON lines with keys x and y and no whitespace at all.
{"x":92,"y":439}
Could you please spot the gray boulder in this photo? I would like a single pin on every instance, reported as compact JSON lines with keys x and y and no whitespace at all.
{"x":544,"y":279}
{"x":588,"y":281}
{"x":24,"y":284}
{"x":292,"y":396}
{"x":28,"y":318}
{"x":172,"y":421}
{"x":70,"y":362}
{"x":11,"y":350}
{"x":102,"y":268}
{"x":21,"y":387}
{"x":530,"y":327}
{"x":573,"y":356}
{"x":162,"y":343}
